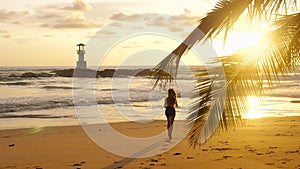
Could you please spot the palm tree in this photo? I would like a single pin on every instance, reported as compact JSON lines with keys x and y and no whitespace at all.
{"x":244,"y":71}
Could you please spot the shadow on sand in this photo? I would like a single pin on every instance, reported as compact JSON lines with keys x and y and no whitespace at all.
{"x":127,"y":160}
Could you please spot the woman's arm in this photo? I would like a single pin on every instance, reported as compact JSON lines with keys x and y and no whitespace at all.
{"x":165,"y":104}
{"x":176,"y":104}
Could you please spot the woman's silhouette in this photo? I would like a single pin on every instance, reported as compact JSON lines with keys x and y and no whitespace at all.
{"x":170,"y":104}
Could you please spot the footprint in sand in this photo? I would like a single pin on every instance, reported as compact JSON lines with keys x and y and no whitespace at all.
{"x":153,"y":160}
{"x":269,"y":163}
{"x":284,"y":160}
{"x":224,"y":149}
{"x":176,"y":154}
{"x":227,"y":157}
{"x":287,"y":134}
{"x":247,"y":146}
{"x":78,"y":164}
{"x":5,"y":137}
{"x":38,"y":167}
{"x":224,"y":142}
{"x":292,"y":151}
{"x":223,"y":158}
{"x":273,"y":147}
{"x":270,"y":152}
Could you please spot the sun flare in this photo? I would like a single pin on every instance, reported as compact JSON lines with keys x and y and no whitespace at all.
{"x":237,"y":41}
{"x":252,"y":111}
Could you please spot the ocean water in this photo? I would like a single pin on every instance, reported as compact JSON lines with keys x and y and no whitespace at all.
{"x":54,"y":101}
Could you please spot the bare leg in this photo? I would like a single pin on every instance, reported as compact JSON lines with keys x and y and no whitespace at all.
{"x":170,"y":126}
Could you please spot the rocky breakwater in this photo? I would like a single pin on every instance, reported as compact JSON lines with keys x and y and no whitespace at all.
{"x":103,"y":73}
{"x":76,"y":73}
{"x":32,"y":75}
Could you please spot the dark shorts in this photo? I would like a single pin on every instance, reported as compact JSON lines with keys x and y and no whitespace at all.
{"x":170,"y":111}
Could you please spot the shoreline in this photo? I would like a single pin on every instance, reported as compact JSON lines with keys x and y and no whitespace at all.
{"x":271,"y":142}
{"x":74,"y":121}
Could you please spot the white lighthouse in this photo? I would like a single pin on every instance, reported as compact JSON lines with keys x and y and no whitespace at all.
{"x":80,"y":64}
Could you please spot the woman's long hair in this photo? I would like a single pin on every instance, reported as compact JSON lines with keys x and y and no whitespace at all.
{"x":171,"y":97}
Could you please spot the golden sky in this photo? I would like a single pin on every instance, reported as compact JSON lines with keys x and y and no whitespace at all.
{"x":45,"y":33}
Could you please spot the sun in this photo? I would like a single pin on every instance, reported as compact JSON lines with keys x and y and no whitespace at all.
{"x":237,"y":41}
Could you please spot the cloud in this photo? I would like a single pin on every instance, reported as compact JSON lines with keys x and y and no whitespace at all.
{"x":116,"y":24}
{"x":117,"y":16}
{"x":120,"y":16}
{"x":187,"y":15}
{"x":16,"y":22}
{"x":3,"y":31}
{"x":171,"y":23}
{"x":4,"y":34}
{"x":105,"y":34}
{"x":48,"y":15}
{"x":8,"y":15}
{"x":48,"y":36}
{"x":72,"y":22}
{"x":66,"y":16}
{"x":77,"y":5}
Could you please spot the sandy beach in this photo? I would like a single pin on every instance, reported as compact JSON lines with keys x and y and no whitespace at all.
{"x":258,"y":143}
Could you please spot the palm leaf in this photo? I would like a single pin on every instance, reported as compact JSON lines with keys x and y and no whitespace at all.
{"x":243,"y":77}
{"x":214,"y":20}
{"x":245,"y":74}
{"x":222,"y":17}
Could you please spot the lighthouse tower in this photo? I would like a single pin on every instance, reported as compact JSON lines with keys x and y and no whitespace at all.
{"x":80,"y":64}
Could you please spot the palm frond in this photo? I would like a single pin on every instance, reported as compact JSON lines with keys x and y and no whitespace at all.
{"x":167,"y":68}
{"x":244,"y":77}
{"x":245,"y":74}
{"x":208,"y":25}
{"x":288,"y":33}
{"x":208,"y":96}
{"x":229,"y":101}
{"x":221,"y":18}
